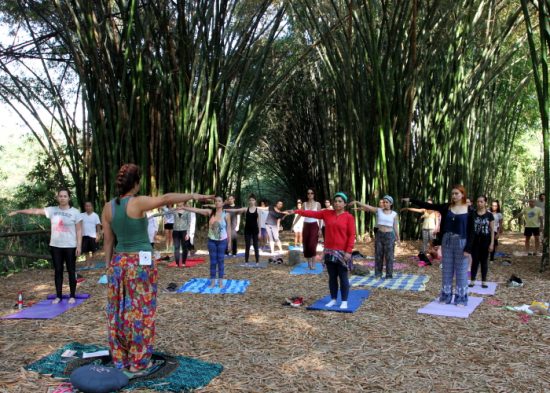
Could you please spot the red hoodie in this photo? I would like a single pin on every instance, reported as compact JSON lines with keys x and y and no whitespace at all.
{"x":339,"y":229}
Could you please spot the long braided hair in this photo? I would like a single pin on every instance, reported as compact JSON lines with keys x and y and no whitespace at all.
{"x":128,"y":176}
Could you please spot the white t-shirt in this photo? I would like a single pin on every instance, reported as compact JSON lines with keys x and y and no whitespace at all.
{"x":496,"y":222}
{"x":63,"y":226}
{"x":168,"y":216}
{"x":152,"y":226}
{"x":263,"y":217}
{"x":89,"y":222}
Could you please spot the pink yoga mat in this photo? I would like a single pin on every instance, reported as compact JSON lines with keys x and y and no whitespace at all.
{"x":450,"y":310}
{"x":190,"y":262}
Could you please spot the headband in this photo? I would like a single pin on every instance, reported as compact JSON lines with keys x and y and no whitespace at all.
{"x":341,"y":195}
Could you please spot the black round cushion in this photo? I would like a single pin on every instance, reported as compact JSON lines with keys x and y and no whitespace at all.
{"x":98,"y":379}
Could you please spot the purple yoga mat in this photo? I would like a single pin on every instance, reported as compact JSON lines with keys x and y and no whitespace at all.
{"x":46,"y":310}
{"x":483,"y":291}
{"x":77,"y":296}
{"x":450,"y":310}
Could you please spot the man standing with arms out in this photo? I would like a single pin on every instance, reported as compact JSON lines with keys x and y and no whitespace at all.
{"x":533,"y":225}
{"x":91,"y":230}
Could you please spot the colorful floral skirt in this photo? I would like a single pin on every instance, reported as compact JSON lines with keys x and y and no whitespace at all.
{"x":131,"y":306}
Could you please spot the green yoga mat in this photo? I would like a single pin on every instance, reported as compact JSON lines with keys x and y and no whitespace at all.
{"x":189,"y":375}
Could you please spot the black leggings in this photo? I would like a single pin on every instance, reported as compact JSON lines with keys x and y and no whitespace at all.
{"x":180,"y":243}
{"x":60,"y":256}
{"x":480,"y":253}
{"x":337,"y":270}
{"x":251,"y":238}
{"x":494,"y":248}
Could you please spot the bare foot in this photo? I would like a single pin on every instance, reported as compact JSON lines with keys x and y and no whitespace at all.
{"x":72,"y":300}
{"x":212,"y":283}
{"x":220,"y":283}
{"x":56,"y":300}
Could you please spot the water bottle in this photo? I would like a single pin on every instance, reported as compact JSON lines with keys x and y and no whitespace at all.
{"x":20,"y":300}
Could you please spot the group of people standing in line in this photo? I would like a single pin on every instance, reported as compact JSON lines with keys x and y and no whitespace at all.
{"x":462,"y":232}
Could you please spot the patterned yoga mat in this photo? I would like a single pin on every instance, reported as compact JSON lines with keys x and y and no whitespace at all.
{"x":201,"y":285}
{"x":400,"y":281}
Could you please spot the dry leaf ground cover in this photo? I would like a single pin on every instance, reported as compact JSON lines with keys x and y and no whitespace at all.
{"x":266,"y":347}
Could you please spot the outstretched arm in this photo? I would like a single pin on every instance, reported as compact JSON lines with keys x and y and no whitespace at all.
{"x":412,"y":209}
{"x":364,"y":206}
{"x":204,"y":212}
{"x":34,"y":211}
{"x":145,"y":203}
{"x":235,"y":210}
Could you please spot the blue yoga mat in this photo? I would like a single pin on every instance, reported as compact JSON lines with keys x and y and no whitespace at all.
{"x":237,"y":255}
{"x":302,"y":268}
{"x":355,"y":299}
{"x":97,"y":266}
{"x":501,"y":254}
{"x":201,"y":285}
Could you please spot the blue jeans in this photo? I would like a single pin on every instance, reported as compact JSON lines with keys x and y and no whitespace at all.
{"x":337,"y":271}
{"x":216,"y":249}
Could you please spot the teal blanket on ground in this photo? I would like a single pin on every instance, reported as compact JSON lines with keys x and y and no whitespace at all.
{"x":189,"y":375}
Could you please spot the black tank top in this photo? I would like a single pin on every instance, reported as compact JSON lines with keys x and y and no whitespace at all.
{"x":251,"y":224}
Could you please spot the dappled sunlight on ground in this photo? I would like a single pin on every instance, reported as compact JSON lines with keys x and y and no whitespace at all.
{"x":267,"y":347}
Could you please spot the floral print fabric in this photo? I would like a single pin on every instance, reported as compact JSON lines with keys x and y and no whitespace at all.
{"x":131,"y":307}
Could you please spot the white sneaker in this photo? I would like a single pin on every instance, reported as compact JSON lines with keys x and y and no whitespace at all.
{"x":332,"y":303}
{"x":344,"y":306}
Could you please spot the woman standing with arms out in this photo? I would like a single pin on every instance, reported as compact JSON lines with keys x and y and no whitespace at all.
{"x":455,"y":235}
{"x":251,"y":227}
{"x":219,"y":233}
{"x":132,"y":273}
{"x":263,"y":212}
{"x":65,"y":240}
{"x":272,"y":221}
{"x":311,"y":229}
{"x":340,"y":238}
{"x":181,"y":233}
{"x":168,"y":226}
{"x":387,"y":222}
{"x":430,"y":225}
{"x":483,"y":241}
{"x":497,"y":226}
{"x":322,"y":223}
{"x":298,"y":226}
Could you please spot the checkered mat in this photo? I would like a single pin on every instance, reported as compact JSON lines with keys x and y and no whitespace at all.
{"x":400,"y":281}
{"x":201,"y":285}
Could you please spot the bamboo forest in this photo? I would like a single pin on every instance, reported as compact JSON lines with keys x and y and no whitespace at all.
{"x":386,"y":160}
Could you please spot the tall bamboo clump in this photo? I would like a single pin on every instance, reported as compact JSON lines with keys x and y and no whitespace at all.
{"x":418,"y":92}
{"x":170,"y":85}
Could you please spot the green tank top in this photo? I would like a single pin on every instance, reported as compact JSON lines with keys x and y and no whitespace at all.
{"x":131,"y":233}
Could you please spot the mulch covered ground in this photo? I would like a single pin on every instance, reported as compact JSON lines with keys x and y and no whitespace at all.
{"x":266,"y":347}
